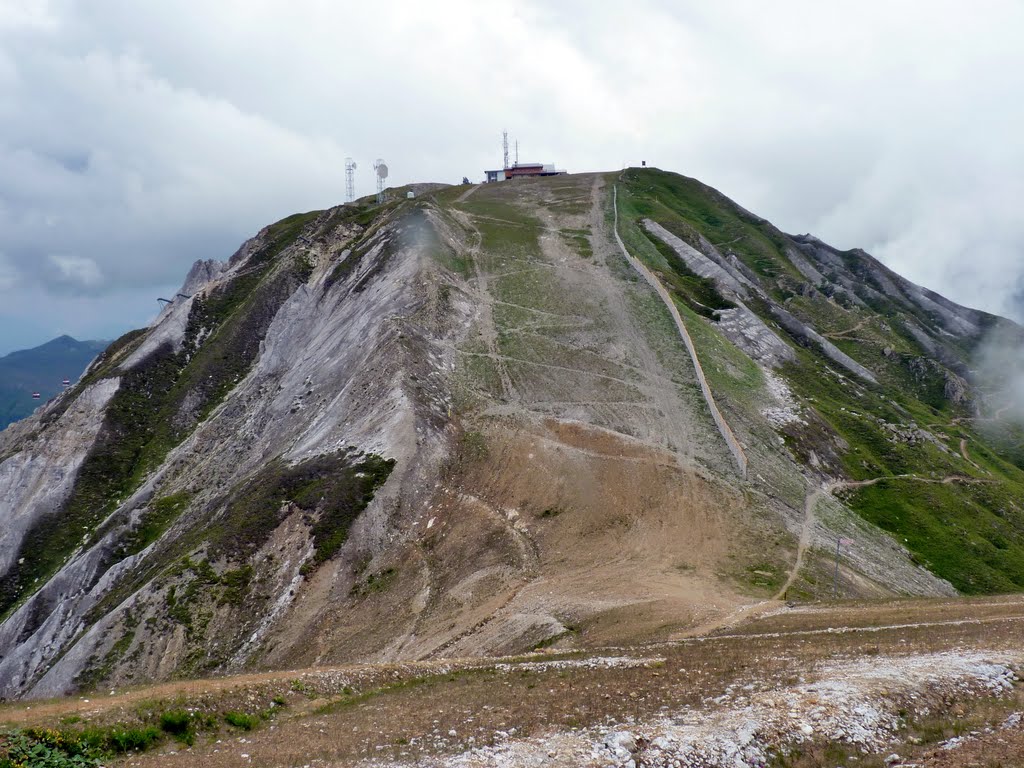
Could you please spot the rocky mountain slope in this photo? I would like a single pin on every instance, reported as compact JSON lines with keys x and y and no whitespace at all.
{"x":478,"y":421}
{"x":41,"y":369}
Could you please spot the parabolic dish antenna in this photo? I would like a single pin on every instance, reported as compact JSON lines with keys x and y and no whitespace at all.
{"x":382,"y":170}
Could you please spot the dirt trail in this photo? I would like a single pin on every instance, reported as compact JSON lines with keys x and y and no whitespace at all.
{"x":755,"y":609}
{"x":813,"y":495}
{"x":852,"y":329}
{"x":963,"y":452}
{"x":806,"y":540}
{"x":465,"y":195}
{"x":873,"y":628}
{"x":723,"y":426}
{"x":806,"y":537}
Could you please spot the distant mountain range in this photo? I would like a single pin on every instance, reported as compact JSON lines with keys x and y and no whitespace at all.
{"x":43,"y":370}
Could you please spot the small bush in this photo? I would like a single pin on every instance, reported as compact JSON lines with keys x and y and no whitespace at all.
{"x":178,"y":723}
{"x":122,"y":740}
{"x":240,"y":720}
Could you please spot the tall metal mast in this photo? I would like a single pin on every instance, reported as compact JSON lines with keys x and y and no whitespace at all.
{"x":350,"y":179}
{"x":504,"y":144}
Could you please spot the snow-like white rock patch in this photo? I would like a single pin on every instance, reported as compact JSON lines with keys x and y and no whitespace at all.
{"x":787,"y":409}
{"x":596,"y":662}
{"x":854,"y":702}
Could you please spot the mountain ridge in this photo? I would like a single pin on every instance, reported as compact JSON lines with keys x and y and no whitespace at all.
{"x":462,"y":424}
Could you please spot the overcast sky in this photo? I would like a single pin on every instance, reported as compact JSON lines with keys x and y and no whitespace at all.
{"x":137,"y":137}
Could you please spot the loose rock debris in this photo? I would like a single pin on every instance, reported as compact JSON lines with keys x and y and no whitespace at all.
{"x":857,"y":702}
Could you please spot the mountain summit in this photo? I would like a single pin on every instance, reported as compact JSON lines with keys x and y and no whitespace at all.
{"x":577,"y":411}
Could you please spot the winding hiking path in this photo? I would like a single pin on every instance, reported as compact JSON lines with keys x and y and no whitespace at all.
{"x":814,"y":495}
{"x":723,"y":426}
{"x":852,"y":329}
{"x":465,"y":195}
{"x":806,"y":536}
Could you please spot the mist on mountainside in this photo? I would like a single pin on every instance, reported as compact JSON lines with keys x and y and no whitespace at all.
{"x":999,"y":373}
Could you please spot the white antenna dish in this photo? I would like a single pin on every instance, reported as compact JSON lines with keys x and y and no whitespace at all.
{"x":382,"y":173}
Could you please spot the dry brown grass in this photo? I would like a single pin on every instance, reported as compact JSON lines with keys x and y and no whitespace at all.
{"x":344,"y":714}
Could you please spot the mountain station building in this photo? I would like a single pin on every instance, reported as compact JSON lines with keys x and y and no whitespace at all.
{"x":523,"y":169}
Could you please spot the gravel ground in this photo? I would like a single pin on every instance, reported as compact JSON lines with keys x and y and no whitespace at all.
{"x":857,"y":702}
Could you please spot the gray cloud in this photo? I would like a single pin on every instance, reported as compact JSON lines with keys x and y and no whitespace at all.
{"x":135,"y":138}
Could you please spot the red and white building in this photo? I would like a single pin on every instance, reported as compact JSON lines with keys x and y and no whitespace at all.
{"x":519,"y":170}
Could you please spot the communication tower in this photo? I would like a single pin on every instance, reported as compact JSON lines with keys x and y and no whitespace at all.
{"x":382,"y":173}
{"x":350,"y":179}
{"x":504,"y":144}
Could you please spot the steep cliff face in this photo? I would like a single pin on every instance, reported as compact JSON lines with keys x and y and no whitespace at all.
{"x":462,"y":424}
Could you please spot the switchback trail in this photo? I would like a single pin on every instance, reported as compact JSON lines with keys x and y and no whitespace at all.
{"x":811,"y":500}
{"x":814,"y":494}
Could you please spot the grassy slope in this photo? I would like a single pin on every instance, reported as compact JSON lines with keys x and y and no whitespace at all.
{"x":971,"y":534}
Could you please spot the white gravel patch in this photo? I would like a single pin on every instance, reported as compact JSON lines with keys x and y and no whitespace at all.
{"x":597,"y":662}
{"x":787,"y":409}
{"x":853,"y":701}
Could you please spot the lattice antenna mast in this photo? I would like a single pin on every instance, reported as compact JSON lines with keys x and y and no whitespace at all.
{"x":504,"y":145}
{"x":517,"y":154}
{"x":381,"y":169}
{"x":350,"y":179}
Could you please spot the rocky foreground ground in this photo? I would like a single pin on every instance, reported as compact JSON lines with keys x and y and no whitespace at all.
{"x":924,"y":683}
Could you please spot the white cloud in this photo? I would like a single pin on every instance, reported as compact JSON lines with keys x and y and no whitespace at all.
{"x":8,"y":275}
{"x":75,"y":272}
{"x":139,"y":137}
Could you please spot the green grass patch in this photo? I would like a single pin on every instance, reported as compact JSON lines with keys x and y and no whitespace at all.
{"x":579,"y":241}
{"x":690,"y":209}
{"x":333,"y":488}
{"x":154,"y":520}
{"x":241,"y":720}
{"x":972,"y":535}
{"x":375,"y":582}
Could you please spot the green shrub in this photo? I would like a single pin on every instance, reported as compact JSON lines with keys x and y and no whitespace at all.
{"x":60,"y":748}
{"x":176,"y":722}
{"x":241,"y":720}
{"x":122,"y":740}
